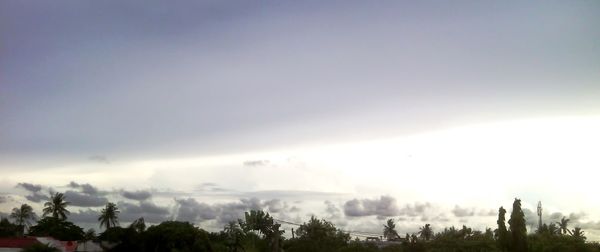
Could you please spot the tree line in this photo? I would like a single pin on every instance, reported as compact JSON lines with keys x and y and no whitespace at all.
{"x":258,"y":231}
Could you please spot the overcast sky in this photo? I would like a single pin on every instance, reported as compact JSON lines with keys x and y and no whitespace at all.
{"x":355,"y":111}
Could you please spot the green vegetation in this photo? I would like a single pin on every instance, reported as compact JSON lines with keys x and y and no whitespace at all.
{"x":259,"y":232}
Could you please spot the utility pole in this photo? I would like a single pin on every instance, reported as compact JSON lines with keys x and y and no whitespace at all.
{"x":292,"y":233}
{"x":539,"y":213}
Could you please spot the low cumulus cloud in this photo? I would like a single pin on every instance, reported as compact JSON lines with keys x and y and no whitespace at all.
{"x":85,"y":216}
{"x":84,"y":188}
{"x":136,"y":195}
{"x":416,"y":209}
{"x":148,"y":210}
{"x":30,"y":187}
{"x":189,"y":209}
{"x":463,"y":212}
{"x":35,"y":192}
{"x":382,"y":207}
{"x":84,"y":200}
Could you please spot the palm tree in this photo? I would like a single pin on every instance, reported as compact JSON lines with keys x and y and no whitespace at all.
{"x":389,"y":230}
{"x":578,"y":233}
{"x":57,"y":206}
{"x":426,"y":232}
{"x":108,"y":216}
{"x":22,"y":216}
{"x":564,"y":222}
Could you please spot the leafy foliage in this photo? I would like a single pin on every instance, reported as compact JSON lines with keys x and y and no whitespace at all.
{"x":109,"y":215}
{"x":318,"y":235}
{"x":8,"y":229}
{"x":518,"y":228}
{"x":57,"y":228}
{"x":56,"y":207}
{"x":23,"y":216}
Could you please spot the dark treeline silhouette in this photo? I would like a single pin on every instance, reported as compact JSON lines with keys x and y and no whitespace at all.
{"x":258,"y":231}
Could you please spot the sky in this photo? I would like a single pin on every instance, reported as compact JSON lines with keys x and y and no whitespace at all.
{"x":353,"y":111}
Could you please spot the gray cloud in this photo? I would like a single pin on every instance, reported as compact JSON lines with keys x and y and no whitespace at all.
{"x":84,"y":216}
{"x":275,"y":205}
{"x":136,"y":195}
{"x":490,"y":212}
{"x":85,"y":188}
{"x":384,"y":206}
{"x":4,"y":199}
{"x":99,"y":159}
{"x":333,"y":212}
{"x":463,"y":212}
{"x":37,"y":197}
{"x":30,"y":187}
{"x":35,"y":192}
{"x":191,"y":210}
{"x":417,"y":209}
{"x":256,"y":162}
{"x":84,"y":200}
{"x":148,"y":210}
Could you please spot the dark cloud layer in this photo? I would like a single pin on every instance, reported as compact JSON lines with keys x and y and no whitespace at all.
{"x":85,"y":188}
{"x":191,"y":210}
{"x":136,"y":195}
{"x":148,"y":210}
{"x":30,"y":187}
{"x":36,"y":194}
{"x":84,"y":200}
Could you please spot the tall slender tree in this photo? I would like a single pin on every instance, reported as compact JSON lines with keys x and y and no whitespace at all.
{"x":109,"y":216}
{"x":502,"y":232}
{"x":22,"y":216}
{"x":57,"y":206}
{"x":518,"y":228}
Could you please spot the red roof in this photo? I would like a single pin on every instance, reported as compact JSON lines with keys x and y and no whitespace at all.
{"x":17,"y":242}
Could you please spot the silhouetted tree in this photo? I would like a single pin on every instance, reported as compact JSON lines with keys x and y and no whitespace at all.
{"x":426,"y":232}
{"x":57,"y":228}
{"x":22,"y":216}
{"x":563,"y":225}
{"x":138,"y":225}
{"x":318,"y":235}
{"x":56,"y":207}
{"x":8,"y":229}
{"x":235,"y":235}
{"x":389,"y":230}
{"x":578,"y":234}
{"x":518,"y":228}
{"x":502,"y":236}
{"x":109,"y":216}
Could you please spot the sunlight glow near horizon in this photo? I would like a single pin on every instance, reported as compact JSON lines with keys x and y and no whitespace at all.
{"x":480,"y":163}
